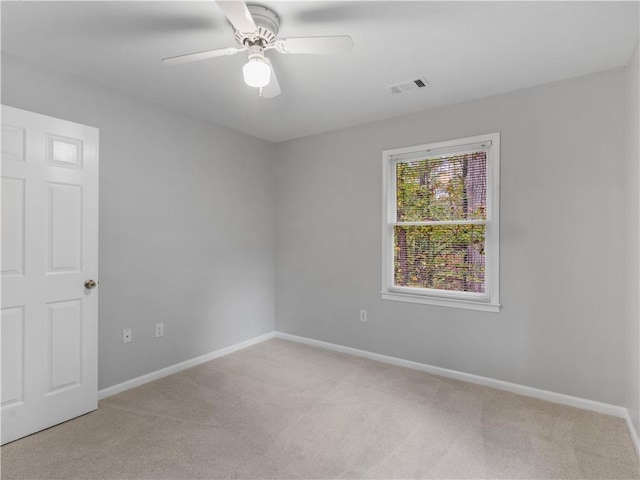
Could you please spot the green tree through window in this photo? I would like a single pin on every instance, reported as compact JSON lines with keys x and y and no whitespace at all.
{"x":439,"y":237}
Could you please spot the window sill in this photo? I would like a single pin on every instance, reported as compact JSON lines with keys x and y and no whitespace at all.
{"x":441,"y":302}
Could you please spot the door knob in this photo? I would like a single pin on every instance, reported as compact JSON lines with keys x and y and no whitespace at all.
{"x":89,"y":284}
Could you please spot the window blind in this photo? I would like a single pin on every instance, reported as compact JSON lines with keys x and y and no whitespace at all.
{"x":440,"y":221}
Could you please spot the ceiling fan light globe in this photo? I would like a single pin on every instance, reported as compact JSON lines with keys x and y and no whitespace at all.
{"x":256,"y":73}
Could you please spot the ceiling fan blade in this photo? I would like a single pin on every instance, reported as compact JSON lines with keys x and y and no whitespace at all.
{"x":273,"y":88}
{"x":196,"y":57}
{"x":238,"y":14}
{"x":315,"y":45}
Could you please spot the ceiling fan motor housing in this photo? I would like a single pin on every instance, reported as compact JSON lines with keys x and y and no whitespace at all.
{"x":268,"y":25}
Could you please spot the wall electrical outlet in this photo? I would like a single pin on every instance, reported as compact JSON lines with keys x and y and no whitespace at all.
{"x":126,"y":335}
{"x":363,"y":315}
{"x":159,"y":330}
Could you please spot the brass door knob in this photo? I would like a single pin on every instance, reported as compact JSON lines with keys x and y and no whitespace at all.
{"x":89,"y":284}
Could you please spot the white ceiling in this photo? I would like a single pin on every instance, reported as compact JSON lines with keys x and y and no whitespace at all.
{"x":466,"y":50}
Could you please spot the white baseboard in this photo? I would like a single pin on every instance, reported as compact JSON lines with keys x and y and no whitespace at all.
{"x":149,"y":377}
{"x":633,"y":432}
{"x":560,"y":398}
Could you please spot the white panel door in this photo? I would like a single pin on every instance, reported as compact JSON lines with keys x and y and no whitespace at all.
{"x":49,"y":321}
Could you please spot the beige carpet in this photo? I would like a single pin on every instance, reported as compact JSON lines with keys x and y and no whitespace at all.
{"x":284,"y":410}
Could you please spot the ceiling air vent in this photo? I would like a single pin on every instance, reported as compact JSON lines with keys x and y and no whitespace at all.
{"x":402,"y":87}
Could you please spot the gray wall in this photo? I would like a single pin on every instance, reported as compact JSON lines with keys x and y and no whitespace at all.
{"x":186,"y":223}
{"x":562,"y":325}
{"x":632,"y":250}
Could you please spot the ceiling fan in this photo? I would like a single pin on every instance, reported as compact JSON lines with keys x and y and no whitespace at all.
{"x":256,"y":31}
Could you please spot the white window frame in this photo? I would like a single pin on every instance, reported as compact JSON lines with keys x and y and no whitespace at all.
{"x":487,"y":301}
